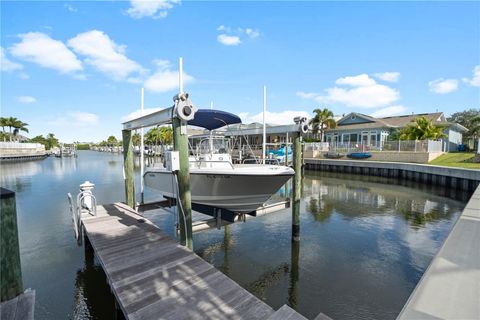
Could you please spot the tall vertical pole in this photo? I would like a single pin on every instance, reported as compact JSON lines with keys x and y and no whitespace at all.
{"x":264,"y":124}
{"x":128,"y":168}
{"x":10,"y":268}
{"x":180,"y":74}
{"x":142,"y":160}
{"x":297,"y":187}
{"x":286,"y":150}
{"x":180,"y":144}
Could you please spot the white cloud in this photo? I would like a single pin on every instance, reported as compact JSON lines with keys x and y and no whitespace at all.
{"x":228,"y":40}
{"x":442,"y":86}
{"x":475,"y":81}
{"x":307,"y":95}
{"x":151,"y":8}
{"x":70,"y":8}
{"x":74,"y":119}
{"x":279,"y":118}
{"x":362,"y":92}
{"x":388,"y":76}
{"x":6,"y":64}
{"x":233,"y":37}
{"x":27,"y":99}
{"x":362,"y":80}
{"x":137,"y":113}
{"x":252,"y":33}
{"x":104,"y":54}
{"x":165,"y":79}
{"x":389,"y":111}
{"x":39,"y":48}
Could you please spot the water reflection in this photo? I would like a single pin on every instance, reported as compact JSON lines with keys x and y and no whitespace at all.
{"x":359,"y":236}
{"x":365,"y":241}
{"x":93,"y":299}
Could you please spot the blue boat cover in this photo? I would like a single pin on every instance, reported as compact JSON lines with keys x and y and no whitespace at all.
{"x":213,"y":119}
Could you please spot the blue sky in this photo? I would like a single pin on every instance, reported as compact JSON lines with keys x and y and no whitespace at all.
{"x":76,"y":68}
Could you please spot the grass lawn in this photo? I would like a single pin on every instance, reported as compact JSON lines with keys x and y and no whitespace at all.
{"x":456,"y":159}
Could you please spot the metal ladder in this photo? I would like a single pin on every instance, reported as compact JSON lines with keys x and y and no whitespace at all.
{"x":78,"y":208}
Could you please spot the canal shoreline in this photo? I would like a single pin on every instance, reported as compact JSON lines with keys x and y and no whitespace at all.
{"x":465,"y":179}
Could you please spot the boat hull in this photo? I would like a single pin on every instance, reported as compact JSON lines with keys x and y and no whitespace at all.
{"x":236,"y":192}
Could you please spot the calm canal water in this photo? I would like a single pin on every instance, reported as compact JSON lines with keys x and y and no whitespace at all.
{"x":365,"y":241}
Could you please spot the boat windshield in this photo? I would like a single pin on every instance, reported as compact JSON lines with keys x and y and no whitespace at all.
{"x":213,"y":145}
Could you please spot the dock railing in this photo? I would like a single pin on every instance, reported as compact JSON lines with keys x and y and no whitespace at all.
{"x":395,"y":146}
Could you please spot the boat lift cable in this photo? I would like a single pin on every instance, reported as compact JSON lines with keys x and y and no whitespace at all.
{"x":179,"y":202}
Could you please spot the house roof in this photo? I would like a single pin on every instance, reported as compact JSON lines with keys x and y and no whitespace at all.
{"x":402,"y":121}
{"x":390,"y":122}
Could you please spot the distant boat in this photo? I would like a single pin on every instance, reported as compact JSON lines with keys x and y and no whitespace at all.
{"x":359,"y":155}
{"x":334,"y":155}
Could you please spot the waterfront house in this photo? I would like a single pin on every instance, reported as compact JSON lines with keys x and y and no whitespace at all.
{"x":358,"y":128}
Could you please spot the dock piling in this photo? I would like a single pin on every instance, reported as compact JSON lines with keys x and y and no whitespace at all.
{"x":10,"y":271}
{"x":128,"y":168}
{"x":297,"y":185}
{"x":180,"y":142}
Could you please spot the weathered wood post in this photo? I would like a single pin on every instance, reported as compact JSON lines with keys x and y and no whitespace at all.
{"x":10,"y":268}
{"x":293,"y":289}
{"x":180,"y":141}
{"x":297,"y":187}
{"x":128,"y":168}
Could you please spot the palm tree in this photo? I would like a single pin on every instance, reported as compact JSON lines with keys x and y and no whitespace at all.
{"x":112,"y":141}
{"x":136,"y":139}
{"x":3,"y":123}
{"x":422,"y":129}
{"x":9,"y":122}
{"x":166,"y":133}
{"x":19,"y":126}
{"x":51,"y":141}
{"x":323,"y":119}
{"x":153,"y":136}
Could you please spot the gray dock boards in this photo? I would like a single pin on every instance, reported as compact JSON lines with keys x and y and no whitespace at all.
{"x":153,"y":277}
{"x":450,"y":287}
{"x":286,"y":313}
{"x":20,"y":307}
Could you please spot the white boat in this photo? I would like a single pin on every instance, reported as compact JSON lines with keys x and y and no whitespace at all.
{"x":216,"y":182}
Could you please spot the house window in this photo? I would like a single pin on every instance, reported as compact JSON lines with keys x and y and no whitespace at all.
{"x":353,"y":117}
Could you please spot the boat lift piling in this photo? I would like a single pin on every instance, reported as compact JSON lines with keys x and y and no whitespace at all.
{"x":128,"y":168}
{"x":297,"y":183}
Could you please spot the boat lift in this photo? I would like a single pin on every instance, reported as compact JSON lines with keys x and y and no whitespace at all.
{"x":178,"y":115}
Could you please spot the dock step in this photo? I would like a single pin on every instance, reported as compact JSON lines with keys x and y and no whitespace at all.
{"x":286,"y":313}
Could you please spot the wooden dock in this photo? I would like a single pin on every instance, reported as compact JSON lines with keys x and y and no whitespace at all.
{"x":154,"y":277}
{"x":19,"y":308}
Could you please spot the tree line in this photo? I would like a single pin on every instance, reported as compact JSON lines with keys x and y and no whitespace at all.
{"x":154,"y":136}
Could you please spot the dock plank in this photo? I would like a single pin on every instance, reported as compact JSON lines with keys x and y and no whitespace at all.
{"x":19,"y":308}
{"x":152,"y":276}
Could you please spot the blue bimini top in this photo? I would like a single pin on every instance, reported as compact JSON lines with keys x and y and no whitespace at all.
{"x":213,"y":119}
